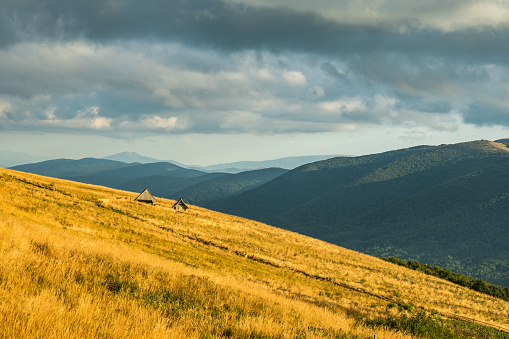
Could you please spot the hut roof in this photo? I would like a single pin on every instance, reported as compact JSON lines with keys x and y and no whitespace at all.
{"x":145,"y":196}
{"x":180,"y":205}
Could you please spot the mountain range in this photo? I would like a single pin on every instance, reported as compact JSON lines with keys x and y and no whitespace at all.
{"x":445,"y":205}
{"x":131,"y":157}
{"x":10,"y":159}
{"x":285,"y":163}
{"x":163,"y":179}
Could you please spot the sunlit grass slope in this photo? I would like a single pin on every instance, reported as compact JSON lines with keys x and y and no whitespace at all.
{"x":80,"y":261}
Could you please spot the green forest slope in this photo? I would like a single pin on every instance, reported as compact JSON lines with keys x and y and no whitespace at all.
{"x":225,"y":186}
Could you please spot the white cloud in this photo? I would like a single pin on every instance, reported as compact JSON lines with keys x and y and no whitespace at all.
{"x":343,"y":105}
{"x":94,"y":110}
{"x":158,"y":122}
{"x":5,"y":107}
{"x":78,"y":123}
{"x":89,"y":111}
{"x":435,"y":14}
{"x":346,"y":127}
{"x":101,"y":123}
{"x":50,"y":112}
{"x":265,"y":74}
{"x":85,"y":119}
{"x":294,"y":78}
{"x":470,"y":14}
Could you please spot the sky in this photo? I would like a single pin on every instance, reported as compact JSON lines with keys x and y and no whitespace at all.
{"x":208,"y":81}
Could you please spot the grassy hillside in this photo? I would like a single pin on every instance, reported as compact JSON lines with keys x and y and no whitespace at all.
{"x":445,"y":205}
{"x":79,"y":261}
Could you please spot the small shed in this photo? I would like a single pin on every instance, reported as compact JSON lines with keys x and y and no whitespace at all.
{"x":180,"y":205}
{"x":146,"y":197}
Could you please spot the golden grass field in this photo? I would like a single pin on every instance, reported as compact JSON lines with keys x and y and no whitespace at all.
{"x":83,"y":261}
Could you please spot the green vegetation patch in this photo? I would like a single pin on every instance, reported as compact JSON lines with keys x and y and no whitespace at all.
{"x":478,"y":285}
{"x":428,"y":325}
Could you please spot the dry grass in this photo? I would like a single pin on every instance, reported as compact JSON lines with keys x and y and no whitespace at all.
{"x":79,"y":261}
{"x":499,"y":145}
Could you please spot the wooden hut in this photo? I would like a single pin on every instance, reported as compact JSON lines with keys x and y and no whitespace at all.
{"x":146,"y":197}
{"x":180,"y":205}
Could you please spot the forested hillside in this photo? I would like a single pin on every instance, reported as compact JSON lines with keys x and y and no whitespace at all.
{"x":208,"y":192}
{"x":442,"y":205}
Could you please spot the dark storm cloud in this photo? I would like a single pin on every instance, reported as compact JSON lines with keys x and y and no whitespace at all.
{"x":207,"y":22}
{"x":199,"y":22}
{"x":231,"y":26}
{"x":484,"y":113}
{"x":331,"y":70}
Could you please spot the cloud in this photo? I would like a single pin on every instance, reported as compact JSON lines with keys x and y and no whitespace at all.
{"x":323,"y":27}
{"x":157,"y":122}
{"x":331,"y":70}
{"x":315,"y":92}
{"x":50,"y":113}
{"x":255,"y":66}
{"x":241,"y":121}
{"x":294,"y":78}
{"x":343,"y":105}
{"x":77,"y":124}
{"x":89,"y":111}
{"x":5,"y":108}
{"x":87,"y":119}
{"x":101,"y":122}
{"x":435,"y":14}
{"x":485,"y":114}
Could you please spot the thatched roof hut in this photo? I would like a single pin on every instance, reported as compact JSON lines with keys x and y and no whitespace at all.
{"x":146,"y":197}
{"x":180,"y":205}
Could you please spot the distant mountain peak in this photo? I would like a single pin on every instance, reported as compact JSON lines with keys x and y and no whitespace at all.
{"x":131,"y":157}
{"x":128,"y":153}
